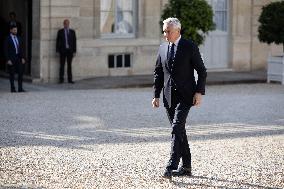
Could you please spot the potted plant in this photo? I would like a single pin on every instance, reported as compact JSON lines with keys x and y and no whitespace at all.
{"x":271,"y":30}
{"x":196,"y":17}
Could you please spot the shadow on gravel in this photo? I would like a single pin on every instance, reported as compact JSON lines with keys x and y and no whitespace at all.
{"x":68,"y":138}
{"x":207,"y":182}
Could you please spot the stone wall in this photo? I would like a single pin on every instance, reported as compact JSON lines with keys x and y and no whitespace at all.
{"x":91,"y":59}
{"x":241,"y":35}
{"x":247,"y":51}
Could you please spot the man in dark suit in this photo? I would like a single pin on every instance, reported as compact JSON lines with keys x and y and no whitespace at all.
{"x":174,"y":74}
{"x":14,"y":58}
{"x":66,"y":47}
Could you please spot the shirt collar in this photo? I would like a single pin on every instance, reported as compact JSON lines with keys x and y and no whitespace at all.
{"x":177,"y":41}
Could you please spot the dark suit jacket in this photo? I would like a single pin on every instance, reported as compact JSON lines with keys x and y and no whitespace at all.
{"x":60,"y":41}
{"x":10,"y":50}
{"x":187,"y":59}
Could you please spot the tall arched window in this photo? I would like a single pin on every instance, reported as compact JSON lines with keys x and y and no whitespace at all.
{"x":117,"y":18}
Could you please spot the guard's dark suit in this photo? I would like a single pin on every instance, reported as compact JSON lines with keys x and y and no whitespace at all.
{"x":16,"y":59}
{"x":66,"y":49}
{"x":176,"y":78}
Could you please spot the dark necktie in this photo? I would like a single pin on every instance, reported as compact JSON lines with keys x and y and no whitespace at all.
{"x":17,"y":44}
{"x":66,"y":38}
{"x":172,"y":52}
{"x":172,"y":55}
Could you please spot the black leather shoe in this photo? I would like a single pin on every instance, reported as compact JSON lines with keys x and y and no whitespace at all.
{"x":22,"y":91}
{"x":72,"y":82}
{"x":168,"y":174}
{"x":13,"y":90}
{"x":182,"y":171}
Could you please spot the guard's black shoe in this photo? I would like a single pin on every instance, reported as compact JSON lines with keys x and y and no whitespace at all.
{"x":72,"y":82}
{"x":13,"y":90}
{"x":168,"y":174}
{"x":182,"y":171}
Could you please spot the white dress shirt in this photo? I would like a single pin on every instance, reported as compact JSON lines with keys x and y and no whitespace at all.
{"x":176,"y":45}
{"x":16,"y":42}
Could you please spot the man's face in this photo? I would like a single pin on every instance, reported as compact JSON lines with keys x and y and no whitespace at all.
{"x":171,"y":34}
{"x":66,"y":23}
{"x":14,"y":31}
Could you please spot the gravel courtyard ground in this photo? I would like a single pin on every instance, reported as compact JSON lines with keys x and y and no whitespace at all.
{"x":113,"y":138}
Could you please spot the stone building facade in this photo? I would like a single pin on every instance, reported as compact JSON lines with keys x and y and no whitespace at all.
{"x":121,"y":37}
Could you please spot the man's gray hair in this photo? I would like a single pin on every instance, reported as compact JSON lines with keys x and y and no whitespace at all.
{"x":172,"y":21}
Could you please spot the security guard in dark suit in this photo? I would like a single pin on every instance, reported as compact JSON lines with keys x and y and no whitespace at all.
{"x":66,"y":47}
{"x":14,"y":58}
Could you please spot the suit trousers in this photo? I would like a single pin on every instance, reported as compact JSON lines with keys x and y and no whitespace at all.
{"x":18,"y":68}
{"x":177,"y":115}
{"x":68,"y":54}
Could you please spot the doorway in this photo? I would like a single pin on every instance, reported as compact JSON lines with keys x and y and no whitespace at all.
{"x":216,"y":46}
{"x":23,"y":11}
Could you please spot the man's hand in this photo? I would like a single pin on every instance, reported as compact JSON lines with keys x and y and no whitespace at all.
{"x":197,"y":99}
{"x":155,"y":102}
{"x":23,"y":61}
{"x":9,"y":62}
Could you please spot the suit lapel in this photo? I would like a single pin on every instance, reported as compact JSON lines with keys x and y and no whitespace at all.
{"x":163,"y":54}
{"x":12,"y":43}
{"x":179,"y":53}
{"x":167,"y":57}
{"x":164,"y":50}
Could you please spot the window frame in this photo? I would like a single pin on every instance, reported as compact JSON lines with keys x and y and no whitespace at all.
{"x":224,"y":12}
{"x":121,"y":35}
{"x":115,"y":55}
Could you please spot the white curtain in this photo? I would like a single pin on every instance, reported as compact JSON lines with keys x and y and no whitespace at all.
{"x":107,"y":7}
{"x":116,"y":16}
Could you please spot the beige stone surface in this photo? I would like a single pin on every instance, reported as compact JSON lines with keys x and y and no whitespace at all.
{"x":64,"y":3}
{"x":151,"y":19}
{"x":85,"y":28}
{"x":246,"y":52}
{"x":65,"y":11}
{"x":241,"y":56}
